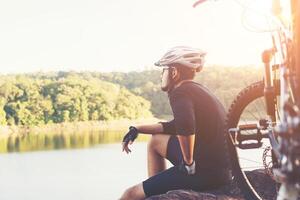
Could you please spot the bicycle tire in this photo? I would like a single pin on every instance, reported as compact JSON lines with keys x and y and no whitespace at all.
{"x":243,"y":99}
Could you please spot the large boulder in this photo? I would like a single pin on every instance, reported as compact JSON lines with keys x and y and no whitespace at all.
{"x":262,"y":182}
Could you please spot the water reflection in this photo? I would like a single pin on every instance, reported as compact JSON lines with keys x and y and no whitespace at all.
{"x":99,"y":173}
{"x":49,"y":141}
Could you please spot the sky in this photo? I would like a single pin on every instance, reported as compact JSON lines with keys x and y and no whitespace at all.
{"x":122,"y":35}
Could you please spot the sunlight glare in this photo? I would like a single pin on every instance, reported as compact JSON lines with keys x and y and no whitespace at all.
{"x":259,"y":16}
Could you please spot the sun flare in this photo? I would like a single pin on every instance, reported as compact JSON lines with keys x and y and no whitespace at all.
{"x":266,"y":15}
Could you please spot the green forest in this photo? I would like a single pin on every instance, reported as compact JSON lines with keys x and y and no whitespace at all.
{"x":45,"y":98}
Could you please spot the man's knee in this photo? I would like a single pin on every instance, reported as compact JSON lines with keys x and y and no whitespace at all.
{"x":158,"y":143}
{"x":154,"y":142}
{"x":134,"y":193}
{"x":128,"y":194}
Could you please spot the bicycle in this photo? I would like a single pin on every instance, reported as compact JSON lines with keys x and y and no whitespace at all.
{"x":278,"y":130}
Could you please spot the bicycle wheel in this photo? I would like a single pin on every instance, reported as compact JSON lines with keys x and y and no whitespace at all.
{"x":249,"y":108}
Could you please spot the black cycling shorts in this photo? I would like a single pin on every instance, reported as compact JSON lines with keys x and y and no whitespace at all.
{"x":172,"y":179}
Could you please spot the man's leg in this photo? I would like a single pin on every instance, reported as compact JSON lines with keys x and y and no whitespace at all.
{"x":134,"y":193}
{"x":159,"y":147}
{"x":157,"y":152}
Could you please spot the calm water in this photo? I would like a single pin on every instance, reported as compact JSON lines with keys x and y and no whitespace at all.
{"x":101,"y":173}
{"x":60,"y":140}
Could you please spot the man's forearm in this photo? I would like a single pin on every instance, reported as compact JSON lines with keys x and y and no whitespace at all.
{"x":150,"y":128}
{"x":187,"y":147}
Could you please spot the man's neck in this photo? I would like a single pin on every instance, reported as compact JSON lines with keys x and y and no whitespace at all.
{"x":181,"y":82}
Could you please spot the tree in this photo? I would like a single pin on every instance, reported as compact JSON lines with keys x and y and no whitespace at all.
{"x":2,"y":112}
{"x":33,"y":99}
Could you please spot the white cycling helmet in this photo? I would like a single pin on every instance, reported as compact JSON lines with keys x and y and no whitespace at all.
{"x":186,"y":56}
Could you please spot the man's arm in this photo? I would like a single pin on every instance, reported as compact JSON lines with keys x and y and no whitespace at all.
{"x":159,"y":128}
{"x":150,"y":128}
{"x":184,"y":117}
{"x":187,"y":148}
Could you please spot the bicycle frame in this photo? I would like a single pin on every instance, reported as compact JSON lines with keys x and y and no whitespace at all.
{"x":295,"y":8}
{"x":283,"y":133}
{"x":288,"y":129}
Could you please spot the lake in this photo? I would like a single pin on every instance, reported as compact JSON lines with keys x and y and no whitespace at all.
{"x":101,"y":173}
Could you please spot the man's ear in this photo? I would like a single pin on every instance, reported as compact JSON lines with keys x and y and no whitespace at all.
{"x":174,"y":73}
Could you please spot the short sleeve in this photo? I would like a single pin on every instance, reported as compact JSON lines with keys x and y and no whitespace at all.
{"x":169,"y":127}
{"x":184,"y":115}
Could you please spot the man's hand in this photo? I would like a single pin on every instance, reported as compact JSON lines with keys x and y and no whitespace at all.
{"x":129,"y":138}
{"x":187,"y":169}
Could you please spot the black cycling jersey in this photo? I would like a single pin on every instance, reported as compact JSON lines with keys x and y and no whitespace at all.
{"x":197,"y":111}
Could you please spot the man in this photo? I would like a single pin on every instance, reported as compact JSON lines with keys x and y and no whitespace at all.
{"x":194,"y":141}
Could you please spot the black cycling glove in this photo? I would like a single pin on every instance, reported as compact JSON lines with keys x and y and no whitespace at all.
{"x":131,"y":135}
{"x":187,"y":169}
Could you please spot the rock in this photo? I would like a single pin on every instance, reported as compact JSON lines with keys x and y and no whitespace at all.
{"x":262,"y":182}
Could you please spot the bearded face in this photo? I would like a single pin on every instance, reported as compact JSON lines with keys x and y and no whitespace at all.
{"x":165,"y":79}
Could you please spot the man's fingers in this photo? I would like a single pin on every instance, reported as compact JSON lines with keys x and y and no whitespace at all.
{"x":127,"y":149}
{"x":124,"y":146}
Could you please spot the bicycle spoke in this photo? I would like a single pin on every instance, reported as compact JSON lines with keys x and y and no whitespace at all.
{"x":253,"y":161}
{"x":251,"y":113}
{"x":262,"y":103}
{"x":257,"y":110}
{"x":254,"y":167}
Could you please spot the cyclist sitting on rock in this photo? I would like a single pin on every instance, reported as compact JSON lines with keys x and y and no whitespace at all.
{"x":194,"y":141}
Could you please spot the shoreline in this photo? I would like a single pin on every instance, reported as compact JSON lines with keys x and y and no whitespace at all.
{"x":71,"y":127}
